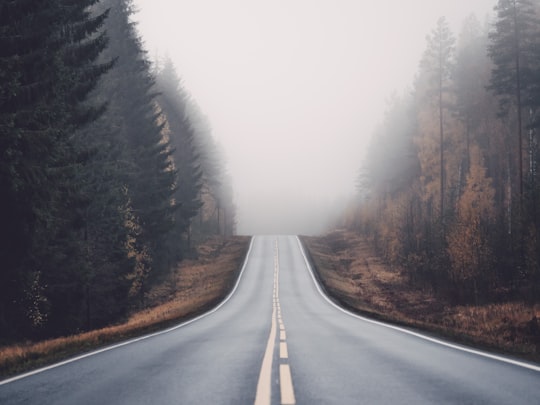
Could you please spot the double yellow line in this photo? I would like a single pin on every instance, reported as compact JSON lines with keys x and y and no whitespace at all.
{"x":264,"y":386}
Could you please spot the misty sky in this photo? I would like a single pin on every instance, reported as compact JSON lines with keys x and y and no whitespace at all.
{"x":293,"y":89}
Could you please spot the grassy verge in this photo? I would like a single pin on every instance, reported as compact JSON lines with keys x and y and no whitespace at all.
{"x":195,"y":287}
{"x":356,"y":278}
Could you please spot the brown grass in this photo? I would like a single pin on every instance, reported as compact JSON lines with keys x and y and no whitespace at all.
{"x":359,"y":280}
{"x":196,"y":286}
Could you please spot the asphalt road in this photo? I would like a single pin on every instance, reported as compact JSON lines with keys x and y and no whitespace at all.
{"x":278,"y":340}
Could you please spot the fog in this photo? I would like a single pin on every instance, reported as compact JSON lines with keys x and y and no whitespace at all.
{"x":294,"y":89}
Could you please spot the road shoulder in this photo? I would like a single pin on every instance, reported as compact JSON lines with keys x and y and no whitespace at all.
{"x":358,"y":280}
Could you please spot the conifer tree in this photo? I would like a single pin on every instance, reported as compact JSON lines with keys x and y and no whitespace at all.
{"x":48,"y":53}
{"x":438,"y":61}
{"x":513,"y":49}
{"x":469,"y":79}
{"x":145,"y":155}
{"x":218,"y":213}
{"x":173,"y":102}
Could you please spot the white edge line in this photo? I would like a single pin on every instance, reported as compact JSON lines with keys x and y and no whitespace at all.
{"x":409,"y":332}
{"x":138,"y":339}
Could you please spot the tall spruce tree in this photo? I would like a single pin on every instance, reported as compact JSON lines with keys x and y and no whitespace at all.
{"x":218,"y":213}
{"x":513,"y":49}
{"x":173,"y":102}
{"x":48,"y":53}
{"x":438,"y":61}
{"x":145,"y":155}
{"x":469,"y":84}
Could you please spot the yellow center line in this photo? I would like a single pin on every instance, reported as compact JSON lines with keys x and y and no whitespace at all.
{"x":264,"y":385}
{"x":283,"y":352}
{"x":287,"y":391}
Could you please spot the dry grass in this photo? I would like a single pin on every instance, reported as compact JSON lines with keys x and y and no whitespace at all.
{"x":196,"y":286}
{"x":357,"y":278}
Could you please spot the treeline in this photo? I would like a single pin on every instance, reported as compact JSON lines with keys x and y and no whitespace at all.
{"x":107,"y":169}
{"x":450,"y":191}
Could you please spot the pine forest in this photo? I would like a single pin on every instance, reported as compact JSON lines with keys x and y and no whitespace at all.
{"x":108,"y":169}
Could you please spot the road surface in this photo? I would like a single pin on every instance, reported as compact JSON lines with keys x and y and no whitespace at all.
{"x":277,"y":340}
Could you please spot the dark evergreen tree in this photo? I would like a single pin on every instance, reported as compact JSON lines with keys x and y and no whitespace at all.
{"x":48,"y":66}
{"x":514,"y":51}
{"x":172,"y":100}
{"x":469,"y":81}
{"x":438,"y":61}
{"x":144,"y":155}
{"x":228,"y":207}
{"x":218,"y":214}
{"x":204,"y":188}
{"x":106,"y":224}
{"x":100,"y":179}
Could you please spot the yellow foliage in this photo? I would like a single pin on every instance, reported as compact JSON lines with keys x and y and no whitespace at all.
{"x":468,"y":245}
{"x":478,"y":197}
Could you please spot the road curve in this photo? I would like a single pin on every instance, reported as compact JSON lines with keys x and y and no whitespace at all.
{"x":278,"y":340}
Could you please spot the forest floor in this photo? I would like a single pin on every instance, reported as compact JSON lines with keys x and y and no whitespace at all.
{"x":357,"y":279}
{"x":196,"y":286}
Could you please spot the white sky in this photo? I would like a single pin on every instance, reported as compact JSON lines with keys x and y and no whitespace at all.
{"x":293,"y":89}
